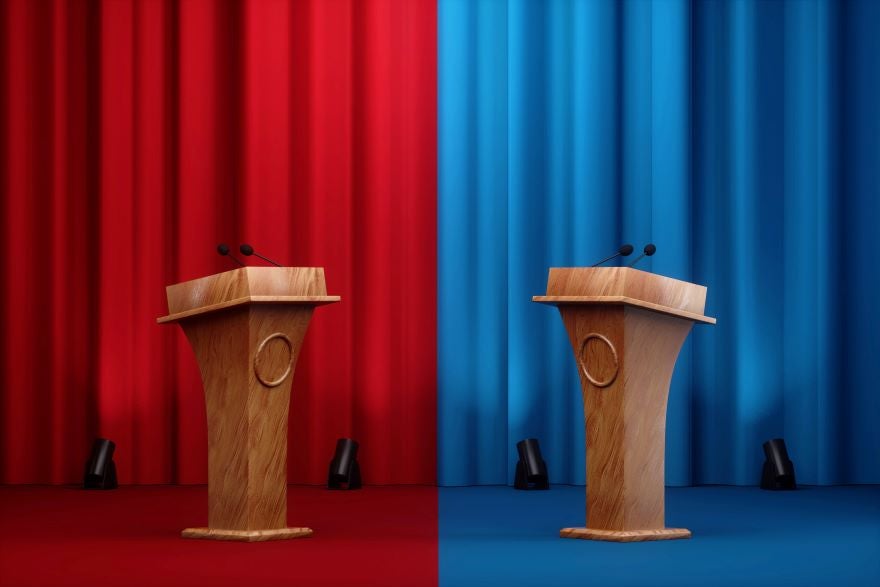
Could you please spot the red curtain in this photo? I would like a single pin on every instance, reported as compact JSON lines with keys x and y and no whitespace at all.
{"x":136,"y":135}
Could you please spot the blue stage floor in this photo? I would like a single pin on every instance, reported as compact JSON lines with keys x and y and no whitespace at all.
{"x":742,"y":536}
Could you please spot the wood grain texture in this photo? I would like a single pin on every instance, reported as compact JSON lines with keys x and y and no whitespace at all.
{"x":630,"y":351}
{"x":246,"y":535}
{"x":290,"y":300}
{"x":629,"y":283}
{"x":625,"y":535}
{"x":623,"y":301}
{"x":247,"y":285}
{"x":247,"y":354}
{"x":245,"y":282}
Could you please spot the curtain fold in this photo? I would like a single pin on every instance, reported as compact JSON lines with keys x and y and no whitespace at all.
{"x":138,"y":135}
{"x":741,"y":138}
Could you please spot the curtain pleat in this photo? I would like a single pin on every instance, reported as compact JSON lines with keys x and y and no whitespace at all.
{"x":138,"y":135}
{"x":739,"y":137}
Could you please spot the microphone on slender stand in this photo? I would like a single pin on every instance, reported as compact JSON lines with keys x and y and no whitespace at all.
{"x":223,"y":250}
{"x":248,"y":250}
{"x":623,"y":251}
{"x":650,"y":249}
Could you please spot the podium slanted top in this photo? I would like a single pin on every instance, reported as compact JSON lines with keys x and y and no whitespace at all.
{"x":627,"y":286}
{"x":247,"y":285}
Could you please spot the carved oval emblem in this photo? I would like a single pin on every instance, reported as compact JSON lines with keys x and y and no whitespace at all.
{"x":273,"y":360}
{"x":598,"y":360}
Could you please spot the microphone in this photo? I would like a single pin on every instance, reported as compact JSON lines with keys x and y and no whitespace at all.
{"x":248,"y":250}
{"x":650,"y":249}
{"x":223,"y":250}
{"x":623,"y":251}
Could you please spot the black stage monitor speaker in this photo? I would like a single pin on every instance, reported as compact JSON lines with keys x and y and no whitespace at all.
{"x":531,"y":470}
{"x":778,"y":472}
{"x":100,"y":470}
{"x":345,"y":472}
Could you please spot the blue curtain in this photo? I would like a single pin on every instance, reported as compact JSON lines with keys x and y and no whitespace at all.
{"x":743,"y":139}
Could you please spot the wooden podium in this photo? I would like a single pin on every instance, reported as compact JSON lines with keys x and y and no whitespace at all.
{"x":626,"y":328}
{"x":246,"y":327}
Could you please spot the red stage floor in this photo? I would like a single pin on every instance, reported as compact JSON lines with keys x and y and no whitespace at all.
{"x":131,"y":537}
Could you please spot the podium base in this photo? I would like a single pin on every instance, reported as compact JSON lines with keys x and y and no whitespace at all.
{"x":246,"y":535}
{"x":625,"y":535}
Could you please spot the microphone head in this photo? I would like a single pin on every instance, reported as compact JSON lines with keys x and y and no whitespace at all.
{"x":223,"y":249}
{"x":246,"y":250}
{"x":650,"y":249}
{"x":625,"y":250}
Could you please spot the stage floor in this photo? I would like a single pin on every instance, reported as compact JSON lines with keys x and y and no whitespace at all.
{"x":388,"y":536}
{"x":130,"y":537}
{"x":811,"y":537}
